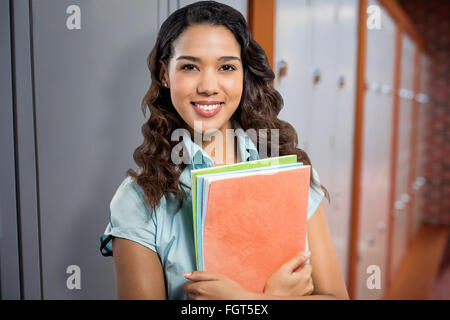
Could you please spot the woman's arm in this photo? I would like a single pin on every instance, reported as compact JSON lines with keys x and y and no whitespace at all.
{"x":138,"y":271}
{"x":326,"y":272}
{"x":327,"y":275}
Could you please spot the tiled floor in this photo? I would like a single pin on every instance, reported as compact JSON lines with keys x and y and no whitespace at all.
{"x":422,"y":275}
{"x":441,"y":288}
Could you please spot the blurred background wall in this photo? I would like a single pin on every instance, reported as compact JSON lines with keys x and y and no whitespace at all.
{"x":431,"y":19}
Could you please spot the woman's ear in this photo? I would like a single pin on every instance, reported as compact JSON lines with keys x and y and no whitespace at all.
{"x":164,"y":75}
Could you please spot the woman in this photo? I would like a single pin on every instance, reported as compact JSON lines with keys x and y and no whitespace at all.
{"x":206,"y":69}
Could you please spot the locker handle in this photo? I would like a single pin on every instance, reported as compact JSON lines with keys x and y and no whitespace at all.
{"x":419,"y":183}
{"x":370,"y":239}
{"x":375,"y":87}
{"x":317,"y":75}
{"x":422,"y":98}
{"x":405,"y":198}
{"x":282,"y":67}
{"x":386,"y":89}
{"x":381,"y":226}
{"x":341,"y":80}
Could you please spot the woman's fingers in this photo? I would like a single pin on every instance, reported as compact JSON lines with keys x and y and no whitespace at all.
{"x":201,"y":275}
{"x":193,"y":288}
{"x":197,"y":288}
{"x":305,"y":272}
{"x":297,"y":261}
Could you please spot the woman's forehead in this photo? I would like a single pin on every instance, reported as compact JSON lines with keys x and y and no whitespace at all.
{"x":206,"y":41}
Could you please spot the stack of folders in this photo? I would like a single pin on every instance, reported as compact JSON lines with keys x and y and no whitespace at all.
{"x":250,"y":217}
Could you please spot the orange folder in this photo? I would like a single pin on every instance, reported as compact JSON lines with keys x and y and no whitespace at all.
{"x":256,"y":223}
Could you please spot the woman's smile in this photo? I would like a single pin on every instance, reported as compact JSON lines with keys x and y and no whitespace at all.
{"x":207,"y":108}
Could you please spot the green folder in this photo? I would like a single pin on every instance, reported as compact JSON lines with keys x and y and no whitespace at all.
{"x":232,"y":167}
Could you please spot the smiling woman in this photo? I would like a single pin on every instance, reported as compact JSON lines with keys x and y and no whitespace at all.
{"x":205,"y":68}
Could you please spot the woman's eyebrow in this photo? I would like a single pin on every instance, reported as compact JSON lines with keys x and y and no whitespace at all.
{"x":195,"y":59}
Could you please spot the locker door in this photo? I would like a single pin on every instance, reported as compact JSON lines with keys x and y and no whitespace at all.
{"x":9,"y":247}
{"x":321,"y":123}
{"x":315,"y":50}
{"x":374,"y":205}
{"x":165,"y":8}
{"x":402,"y":191}
{"x":307,"y":43}
{"x":90,"y":76}
{"x":423,"y":104}
{"x":240,"y":5}
{"x":291,"y":53}
{"x":340,"y":188}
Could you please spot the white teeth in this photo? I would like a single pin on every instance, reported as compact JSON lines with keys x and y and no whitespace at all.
{"x":207,"y":107}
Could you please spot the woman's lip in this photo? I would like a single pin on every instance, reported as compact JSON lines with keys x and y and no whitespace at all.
{"x":207,"y":103}
{"x":207,"y":113}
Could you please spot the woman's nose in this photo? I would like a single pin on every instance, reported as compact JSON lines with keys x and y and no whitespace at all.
{"x":207,"y":83}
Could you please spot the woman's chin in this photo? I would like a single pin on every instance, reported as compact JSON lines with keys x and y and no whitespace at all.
{"x":209,"y":126}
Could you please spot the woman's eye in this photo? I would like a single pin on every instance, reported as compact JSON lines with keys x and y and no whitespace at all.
{"x":229,"y":67}
{"x":188,"y":67}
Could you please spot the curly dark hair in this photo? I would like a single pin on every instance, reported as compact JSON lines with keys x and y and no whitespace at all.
{"x":259,"y":106}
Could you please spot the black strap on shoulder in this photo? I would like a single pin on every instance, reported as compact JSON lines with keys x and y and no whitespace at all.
{"x":103,"y":245}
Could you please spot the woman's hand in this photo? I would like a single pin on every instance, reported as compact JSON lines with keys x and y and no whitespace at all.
{"x":211,"y":286}
{"x":288,"y":282}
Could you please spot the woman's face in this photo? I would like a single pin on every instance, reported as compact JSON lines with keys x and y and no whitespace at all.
{"x":205,"y":76}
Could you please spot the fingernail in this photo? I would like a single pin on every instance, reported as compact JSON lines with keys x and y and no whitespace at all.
{"x":187,"y":274}
{"x":306,"y":254}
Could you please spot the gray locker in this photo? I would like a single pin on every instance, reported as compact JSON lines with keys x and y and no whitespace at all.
{"x":9,"y":246}
{"x":25,"y":153}
{"x":240,"y":5}
{"x":89,"y":82}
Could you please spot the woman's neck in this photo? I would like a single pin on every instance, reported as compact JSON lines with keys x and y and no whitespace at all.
{"x":228,"y":153}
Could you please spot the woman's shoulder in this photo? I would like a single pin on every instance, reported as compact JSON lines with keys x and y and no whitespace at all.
{"x":131,"y":193}
{"x":128,"y":187}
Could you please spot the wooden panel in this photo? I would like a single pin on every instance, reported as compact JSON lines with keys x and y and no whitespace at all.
{"x":358,"y":144}
{"x":261,"y":20}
